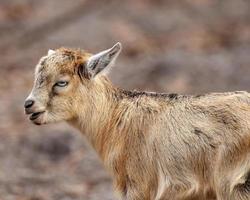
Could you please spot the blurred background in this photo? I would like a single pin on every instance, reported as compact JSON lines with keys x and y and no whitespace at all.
{"x":188,"y":47}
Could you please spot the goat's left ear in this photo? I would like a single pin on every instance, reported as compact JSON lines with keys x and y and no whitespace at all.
{"x":50,"y":52}
{"x":102,"y":61}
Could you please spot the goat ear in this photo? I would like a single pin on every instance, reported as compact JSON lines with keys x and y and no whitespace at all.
{"x":102,"y":61}
{"x":50,"y":52}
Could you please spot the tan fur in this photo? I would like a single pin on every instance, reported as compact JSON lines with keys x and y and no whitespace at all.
{"x":156,"y":146}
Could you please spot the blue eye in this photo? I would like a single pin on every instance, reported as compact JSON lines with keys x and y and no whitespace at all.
{"x":61,"y":83}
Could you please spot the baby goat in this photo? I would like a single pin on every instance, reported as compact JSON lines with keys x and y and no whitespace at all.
{"x":156,"y":146}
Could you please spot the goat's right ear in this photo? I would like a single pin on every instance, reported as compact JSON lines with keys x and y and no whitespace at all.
{"x":102,"y":61}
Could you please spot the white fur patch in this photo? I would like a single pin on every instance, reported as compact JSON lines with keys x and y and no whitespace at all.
{"x":163,"y":183}
{"x":50,"y":52}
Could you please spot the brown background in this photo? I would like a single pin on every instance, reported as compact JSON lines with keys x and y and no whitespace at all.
{"x":188,"y":46}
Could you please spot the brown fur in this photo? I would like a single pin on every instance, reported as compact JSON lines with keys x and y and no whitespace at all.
{"x":156,"y":146}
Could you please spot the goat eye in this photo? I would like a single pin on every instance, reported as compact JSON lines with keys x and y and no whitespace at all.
{"x":61,"y":83}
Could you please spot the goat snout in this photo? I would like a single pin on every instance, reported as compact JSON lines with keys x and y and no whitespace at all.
{"x":35,"y":110}
{"x":29,"y":103}
{"x":29,"y":106}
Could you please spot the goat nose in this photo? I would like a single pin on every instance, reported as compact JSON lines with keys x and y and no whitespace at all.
{"x":28,"y":103}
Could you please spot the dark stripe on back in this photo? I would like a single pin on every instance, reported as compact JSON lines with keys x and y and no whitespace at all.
{"x":169,"y":96}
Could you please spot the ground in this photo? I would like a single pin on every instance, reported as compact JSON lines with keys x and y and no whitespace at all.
{"x":188,"y":47}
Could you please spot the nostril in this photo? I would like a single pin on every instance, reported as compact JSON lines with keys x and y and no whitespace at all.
{"x":28,"y":103}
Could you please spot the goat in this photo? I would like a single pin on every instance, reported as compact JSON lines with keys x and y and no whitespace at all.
{"x":155,"y":145}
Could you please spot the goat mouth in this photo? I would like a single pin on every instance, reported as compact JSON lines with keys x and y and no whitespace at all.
{"x":35,"y":115}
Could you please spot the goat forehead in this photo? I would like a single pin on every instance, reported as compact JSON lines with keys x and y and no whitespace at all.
{"x":54,"y":64}
{"x":42,"y":78}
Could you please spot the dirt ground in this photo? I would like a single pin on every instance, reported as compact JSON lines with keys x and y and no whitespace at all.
{"x":189,"y":47}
